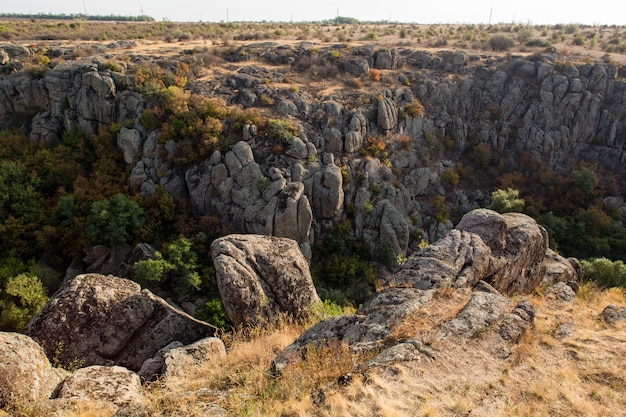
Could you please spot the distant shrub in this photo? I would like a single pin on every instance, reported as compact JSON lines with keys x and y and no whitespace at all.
{"x":579,"y":40}
{"x":571,"y":29}
{"x":450,"y":177}
{"x":373,"y":147}
{"x":538,"y":43}
{"x":500,"y":42}
{"x":356,"y":83}
{"x":374,"y":75}
{"x":280,"y":130}
{"x":372,"y":36}
{"x":113,"y":66}
{"x":414,"y":108}
{"x":506,"y":201}
{"x":605,"y":273}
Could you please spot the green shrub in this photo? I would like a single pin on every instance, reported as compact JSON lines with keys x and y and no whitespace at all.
{"x":506,"y":201}
{"x":450,"y":177}
{"x":500,"y":42}
{"x":538,"y":43}
{"x":22,"y":297}
{"x":605,"y":273}
{"x":73,"y":136}
{"x":280,"y":130}
{"x":213,"y":312}
{"x":178,"y":271}
{"x":347,"y":276}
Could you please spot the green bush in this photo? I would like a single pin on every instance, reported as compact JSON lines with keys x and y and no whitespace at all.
{"x":605,"y":273}
{"x":213,"y":312}
{"x":73,"y":136}
{"x":280,"y":130}
{"x":178,"y":271}
{"x":506,"y":201}
{"x":21,"y":297}
{"x":500,"y":42}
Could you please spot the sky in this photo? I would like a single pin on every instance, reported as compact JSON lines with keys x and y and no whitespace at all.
{"x":535,"y":12}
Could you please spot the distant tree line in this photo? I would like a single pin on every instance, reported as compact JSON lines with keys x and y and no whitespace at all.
{"x":79,"y":16}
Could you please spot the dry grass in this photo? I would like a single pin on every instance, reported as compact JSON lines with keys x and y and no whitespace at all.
{"x":580,"y":374}
{"x":583,"y":374}
{"x":242,"y":382}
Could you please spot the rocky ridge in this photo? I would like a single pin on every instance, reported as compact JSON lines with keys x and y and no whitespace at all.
{"x":402,"y":324}
{"x":551,"y":111}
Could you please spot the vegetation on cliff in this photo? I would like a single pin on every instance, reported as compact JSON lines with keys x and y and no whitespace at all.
{"x":60,"y":197}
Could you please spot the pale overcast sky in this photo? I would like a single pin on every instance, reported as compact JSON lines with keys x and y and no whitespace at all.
{"x":611,"y":12}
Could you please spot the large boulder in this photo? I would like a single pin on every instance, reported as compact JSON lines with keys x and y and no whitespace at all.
{"x":105,"y":320}
{"x":112,"y":384}
{"x":460,"y":259}
{"x":518,"y":247}
{"x":185,"y":358}
{"x":25,"y":372}
{"x":258,"y":276}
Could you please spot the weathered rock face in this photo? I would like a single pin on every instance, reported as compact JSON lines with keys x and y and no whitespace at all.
{"x":560,"y":269}
{"x":482,"y":311}
{"x":613,"y":314}
{"x":518,"y":247}
{"x":25,"y":372}
{"x":110,"y":384}
{"x":459,"y":260}
{"x":506,"y":251}
{"x":105,"y":320}
{"x":118,"y":262}
{"x":552,"y":114}
{"x":177,"y":360}
{"x":365,"y":329}
{"x":234,"y":186}
{"x":258,"y":276}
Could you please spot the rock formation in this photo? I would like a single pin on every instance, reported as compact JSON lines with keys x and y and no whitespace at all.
{"x":105,"y":320}
{"x":178,"y":360}
{"x":111,"y":384}
{"x":518,"y":246}
{"x":25,"y":372}
{"x":552,"y":113}
{"x":258,"y":276}
{"x":487,"y":251}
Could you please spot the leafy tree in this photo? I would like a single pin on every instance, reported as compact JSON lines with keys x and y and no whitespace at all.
{"x":18,"y":192}
{"x":112,"y":221}
{"x":506,"y":201}
{"x":178,"y":271}
{"x":557,"y":228}
{"x":585,"y":179}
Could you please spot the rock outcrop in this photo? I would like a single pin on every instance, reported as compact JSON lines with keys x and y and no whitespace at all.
{"x":110,"y":384}
{"x":258,"y":276}
{"x":26,"y":375}
{"x":487,"y":251}
{"x":105,"y":320}
{"x":518,"y":247}
{"x":178,"y":360}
